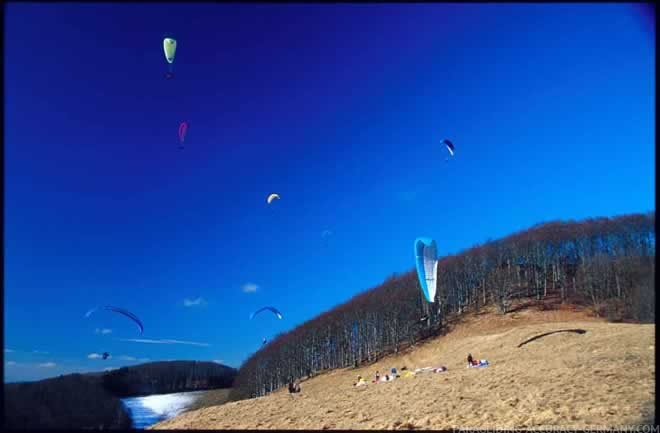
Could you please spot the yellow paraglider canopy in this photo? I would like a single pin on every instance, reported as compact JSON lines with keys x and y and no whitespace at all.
{"x":169,"y":46}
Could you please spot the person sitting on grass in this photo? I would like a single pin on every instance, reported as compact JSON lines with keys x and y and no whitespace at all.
{"x":294,"y":387}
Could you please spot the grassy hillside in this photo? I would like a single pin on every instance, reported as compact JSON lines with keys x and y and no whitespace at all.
{"x":605,"y":377}
{"x":213,"y":397}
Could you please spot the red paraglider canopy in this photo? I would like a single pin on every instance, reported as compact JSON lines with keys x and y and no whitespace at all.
{"x":183,"y":129}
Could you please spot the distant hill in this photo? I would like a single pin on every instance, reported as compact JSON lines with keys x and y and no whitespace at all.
{"x":74,"y":401}
{"x":92,"y":400}
{"x":168,"y":376}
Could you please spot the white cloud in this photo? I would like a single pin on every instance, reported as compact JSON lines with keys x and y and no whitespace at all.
{"x":11,"y":362}
{"x":9,"y":351}
{"x":165,"y":341}
{"x":127,"y":358}
{"x":47,"y":365}
{"x":249,"y":288}
{"x":109,"y":368}
{"x":218,"y":361}
{"x":41,"y":352}
{"x":94,"y":356}
{"x":194,"y":302}
{"x":143,"y":359}
{"x":103,"y":331}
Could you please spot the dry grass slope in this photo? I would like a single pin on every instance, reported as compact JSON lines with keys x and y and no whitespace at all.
{"x":213,"y":397}
{"x":605,"y":377}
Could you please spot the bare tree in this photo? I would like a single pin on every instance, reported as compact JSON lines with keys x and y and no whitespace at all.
{"x":606,"y":262}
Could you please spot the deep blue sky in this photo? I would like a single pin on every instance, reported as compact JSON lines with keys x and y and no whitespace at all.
{"x":340,"y":109}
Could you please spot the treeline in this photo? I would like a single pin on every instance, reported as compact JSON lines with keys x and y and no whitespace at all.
{"x":608,"y":263}
{"x":73,"y":401}
{"x":167,"y":377}
{"x":92,"y":401}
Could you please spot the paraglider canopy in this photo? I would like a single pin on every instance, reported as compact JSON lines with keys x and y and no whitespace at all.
{"x":183,"y":130}
{"x":449,"y":145}
{"x":169,"y":47}
{"x":271,"y":309}
{"x":272,"y":197}
{"x":426,"y":262}
{"x":105,"y":355}
{"x":325,"y":237}
{"x":121,"y":311}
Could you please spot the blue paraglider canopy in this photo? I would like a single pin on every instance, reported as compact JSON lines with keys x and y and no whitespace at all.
{"x":118,"y":310}
{"x":426,"y":262}
{"x":272,"y":309}
{"x":450,"y":146}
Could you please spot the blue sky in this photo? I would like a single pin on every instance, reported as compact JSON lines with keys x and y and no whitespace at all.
{"x":340,"y":109}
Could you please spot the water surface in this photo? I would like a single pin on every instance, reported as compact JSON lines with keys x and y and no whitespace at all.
{"x":148,"y":410}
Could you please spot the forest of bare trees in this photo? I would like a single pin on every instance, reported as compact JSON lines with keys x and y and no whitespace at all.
{"x":165,"y":377}
{"x":606,"y":263}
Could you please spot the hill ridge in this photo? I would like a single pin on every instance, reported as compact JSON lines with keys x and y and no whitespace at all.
{"x":602,"y":378}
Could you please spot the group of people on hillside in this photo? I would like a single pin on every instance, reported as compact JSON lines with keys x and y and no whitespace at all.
{"x":387,"y":376}
{"x":394,"y":374}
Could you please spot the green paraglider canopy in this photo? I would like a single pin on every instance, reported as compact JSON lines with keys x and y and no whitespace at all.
{"x":169,"y":46}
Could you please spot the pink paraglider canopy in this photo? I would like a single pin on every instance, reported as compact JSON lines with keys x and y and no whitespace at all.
{"x":183,"y":128}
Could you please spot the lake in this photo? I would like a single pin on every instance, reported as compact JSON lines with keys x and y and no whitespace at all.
{"x":148,"y":410}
